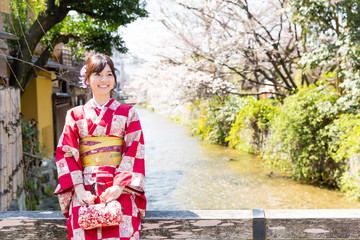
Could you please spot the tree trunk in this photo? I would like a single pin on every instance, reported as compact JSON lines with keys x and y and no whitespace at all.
{"x":47,"y":20}
{"x":45,"y":55}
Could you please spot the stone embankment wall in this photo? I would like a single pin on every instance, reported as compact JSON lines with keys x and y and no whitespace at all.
{"x":11,"y":172}
{"x":203,"y":224}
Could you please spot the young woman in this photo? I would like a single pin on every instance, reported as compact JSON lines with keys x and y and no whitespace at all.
{"x":102,"y":142}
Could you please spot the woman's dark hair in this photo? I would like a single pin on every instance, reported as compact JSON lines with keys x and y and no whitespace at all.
{"x":96,"y":63}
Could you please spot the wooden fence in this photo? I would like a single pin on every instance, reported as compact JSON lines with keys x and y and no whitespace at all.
{"x":11,"y":173}
{"x":61,"y":103}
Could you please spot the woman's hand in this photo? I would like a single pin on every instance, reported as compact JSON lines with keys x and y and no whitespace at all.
{"x":84,"y":196}
{"x":112,"y":193}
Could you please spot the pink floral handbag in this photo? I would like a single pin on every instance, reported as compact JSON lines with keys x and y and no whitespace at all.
{"x":101,"y":214}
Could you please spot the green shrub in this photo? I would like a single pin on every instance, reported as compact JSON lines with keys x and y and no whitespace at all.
{"x":346,"y":149}
{"x":310,"y":135}
{"x":249,"y":131}
{"x":299,"y":137}
{"x":39,"y":178}
{"x":349,"y":101}
{"x":214,"y":117}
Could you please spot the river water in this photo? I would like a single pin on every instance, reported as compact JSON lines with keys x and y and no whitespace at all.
{"x":183,"y":173}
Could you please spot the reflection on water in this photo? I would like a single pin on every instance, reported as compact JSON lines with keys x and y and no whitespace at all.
{"x":184,"y":173}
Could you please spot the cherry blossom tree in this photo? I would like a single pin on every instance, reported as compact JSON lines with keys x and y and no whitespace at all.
{"x":237,"y":41}
{"x":225,"y":47}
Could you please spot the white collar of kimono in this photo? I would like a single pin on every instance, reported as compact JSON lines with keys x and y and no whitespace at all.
{"x":98,"y":105}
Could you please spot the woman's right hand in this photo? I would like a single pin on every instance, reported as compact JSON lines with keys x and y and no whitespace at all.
{"x":83,"y":195}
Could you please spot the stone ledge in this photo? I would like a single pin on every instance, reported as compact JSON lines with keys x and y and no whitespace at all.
{"x":201,"y":224}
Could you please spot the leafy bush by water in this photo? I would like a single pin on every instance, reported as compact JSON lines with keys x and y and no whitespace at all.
{"x":214,"y":117}
{"x":346,"y":148}
{"x":313,"y":135}
{"x":249,"y":131}
{"x":300,"y":138}
{"x":350,"y":101}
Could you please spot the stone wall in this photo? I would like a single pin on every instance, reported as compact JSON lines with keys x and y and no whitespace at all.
{"x":11,"y":169}
{"x":204,"y":224}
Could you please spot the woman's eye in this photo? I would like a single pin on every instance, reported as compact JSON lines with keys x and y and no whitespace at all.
{"x":109,"y":74}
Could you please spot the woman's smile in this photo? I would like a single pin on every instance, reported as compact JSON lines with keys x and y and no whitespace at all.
{"x":103,"y":86}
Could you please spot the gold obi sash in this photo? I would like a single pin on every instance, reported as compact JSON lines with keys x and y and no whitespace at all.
{"x":95,"y":151}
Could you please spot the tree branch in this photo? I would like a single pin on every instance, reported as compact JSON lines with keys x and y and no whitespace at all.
{"x":258,"y":93}
{"x":46,"y":54}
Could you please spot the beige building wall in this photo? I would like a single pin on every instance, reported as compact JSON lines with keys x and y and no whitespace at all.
{"x":5,"y":6}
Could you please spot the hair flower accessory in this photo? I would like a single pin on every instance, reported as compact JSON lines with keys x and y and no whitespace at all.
{"x":82,"y":76}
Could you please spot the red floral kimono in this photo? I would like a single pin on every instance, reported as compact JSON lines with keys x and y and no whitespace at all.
{"x":87,"y":125}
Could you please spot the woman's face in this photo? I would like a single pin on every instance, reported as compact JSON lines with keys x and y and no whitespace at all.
{"x":101,"y":83}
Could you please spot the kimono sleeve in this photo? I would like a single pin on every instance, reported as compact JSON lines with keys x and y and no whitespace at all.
{"x":68,"y":161}
{"x":131,"y":171}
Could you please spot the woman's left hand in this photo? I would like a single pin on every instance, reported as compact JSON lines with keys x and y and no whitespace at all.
{"x":112,"y":193}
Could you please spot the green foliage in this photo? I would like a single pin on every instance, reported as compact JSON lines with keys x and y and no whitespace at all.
{"x":346,"y":132}
{"x":18,"y":22}
{"x":215,"y":118}
{"x":345,"y":148}
{"x":350,"y":183}
{"x":30,"y":141}
{"x":318,"y":16}
{"x":349,"y":102}
{"x":312,"y":135}
{"x":83,"y":25}
{"x":32,"y":199}
{"x":94,"y":24}
{"x":37,"y":184}
{"x":87,"y":34}
{"x":330,"y":36}
{"x":110,"y":12}
{"x":300,"y":136}
{"x":250,"y":129}
{"x":30,"y":146}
